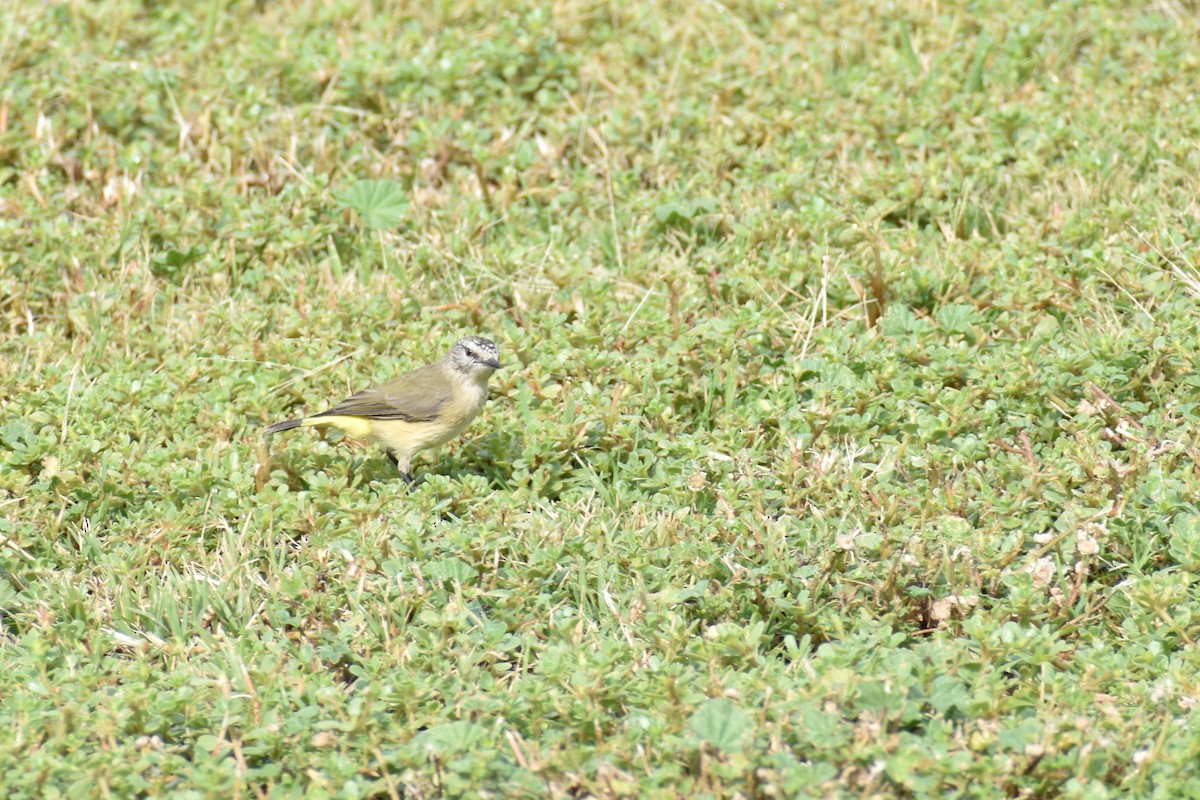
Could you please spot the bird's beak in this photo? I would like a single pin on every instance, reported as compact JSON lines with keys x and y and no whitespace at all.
{"x":494,"y":363}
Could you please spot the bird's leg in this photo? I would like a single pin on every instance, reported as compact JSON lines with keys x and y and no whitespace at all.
{"x":405,"y":475}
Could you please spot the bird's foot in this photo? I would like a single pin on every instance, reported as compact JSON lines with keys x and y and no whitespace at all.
{"x":405,"y":475}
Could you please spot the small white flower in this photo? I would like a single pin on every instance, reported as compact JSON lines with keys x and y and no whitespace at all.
{"x":1043,"y":571}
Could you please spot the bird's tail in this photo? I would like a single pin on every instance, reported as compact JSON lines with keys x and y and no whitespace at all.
{"x":285,"y":426}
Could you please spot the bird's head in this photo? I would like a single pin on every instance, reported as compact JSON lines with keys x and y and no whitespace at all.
{"x":475,"y":356}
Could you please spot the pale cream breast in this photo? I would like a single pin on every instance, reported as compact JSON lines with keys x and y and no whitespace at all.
{"x":407,"y":438}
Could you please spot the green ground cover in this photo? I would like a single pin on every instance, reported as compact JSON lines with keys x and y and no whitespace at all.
{"x":848,"y":445}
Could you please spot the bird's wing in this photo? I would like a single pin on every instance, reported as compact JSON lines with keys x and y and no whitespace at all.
{"x":415,"y":397}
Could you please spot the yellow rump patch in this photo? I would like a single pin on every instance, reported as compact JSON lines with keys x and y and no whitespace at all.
{"x":354,"y":427}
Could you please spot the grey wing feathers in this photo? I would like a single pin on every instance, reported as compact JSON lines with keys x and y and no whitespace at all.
{"x":416,"y":397}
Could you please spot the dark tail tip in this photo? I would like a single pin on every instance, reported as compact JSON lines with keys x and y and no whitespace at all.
{"x":284,"y":426}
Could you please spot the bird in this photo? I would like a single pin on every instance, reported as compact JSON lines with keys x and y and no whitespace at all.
{"x":420,"y":409}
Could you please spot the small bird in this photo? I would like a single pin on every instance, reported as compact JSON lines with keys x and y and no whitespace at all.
{"x":421,"y":409}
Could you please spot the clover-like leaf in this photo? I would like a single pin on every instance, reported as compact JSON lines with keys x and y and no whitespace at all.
{"x":451,"y":737}
{"x":380,"y":203}
{"x":722,"y":724}
{"x":451,"y":569}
